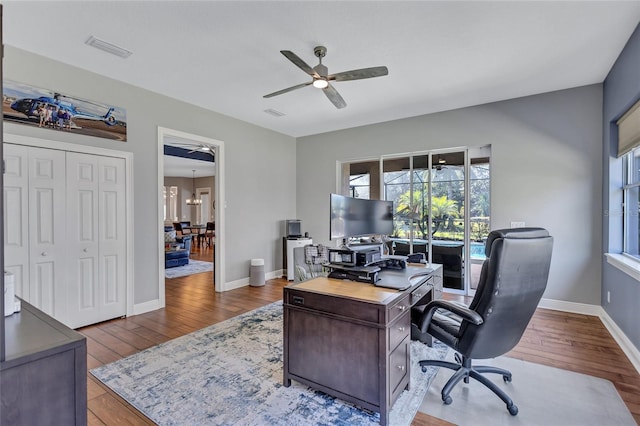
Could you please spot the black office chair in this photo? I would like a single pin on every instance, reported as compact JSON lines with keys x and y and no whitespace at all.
{"x":513,"y":278}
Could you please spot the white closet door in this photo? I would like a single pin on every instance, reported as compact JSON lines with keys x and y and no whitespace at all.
{"x":82,"y":234}
{"x":47,"y":236}
{"x":16,"y":218}
{"x":96,"y":224}
{"x":113,"y":238}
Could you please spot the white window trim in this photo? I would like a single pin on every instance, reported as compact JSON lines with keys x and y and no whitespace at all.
{"x":627,"y":264}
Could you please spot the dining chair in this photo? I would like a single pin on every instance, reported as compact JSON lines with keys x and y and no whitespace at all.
{"x":209,"y":233}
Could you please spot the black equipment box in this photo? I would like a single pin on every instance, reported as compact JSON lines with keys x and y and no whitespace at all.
{"x":367,"y":257}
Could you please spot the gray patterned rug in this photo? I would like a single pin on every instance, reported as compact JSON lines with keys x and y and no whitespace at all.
{"x":231,"y":374}
{"x":193,"y":267}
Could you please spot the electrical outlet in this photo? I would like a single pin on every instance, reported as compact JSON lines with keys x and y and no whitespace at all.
{"x":608,"y":297}
{"x":517,"y":224}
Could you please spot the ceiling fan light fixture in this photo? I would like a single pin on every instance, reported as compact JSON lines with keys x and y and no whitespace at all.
{"x":320,"y":83}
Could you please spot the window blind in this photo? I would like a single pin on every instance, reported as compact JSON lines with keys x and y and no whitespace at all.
{"x":629,"y":130}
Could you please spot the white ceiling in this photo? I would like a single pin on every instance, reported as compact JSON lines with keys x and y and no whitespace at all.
{"x":224,"y":56}
{"x":183,"y":167}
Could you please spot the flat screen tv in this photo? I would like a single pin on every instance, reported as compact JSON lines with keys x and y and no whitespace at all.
{"x":358,"y":217}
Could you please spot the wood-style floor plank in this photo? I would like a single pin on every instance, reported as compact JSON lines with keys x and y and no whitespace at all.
{"x":564,"y":340}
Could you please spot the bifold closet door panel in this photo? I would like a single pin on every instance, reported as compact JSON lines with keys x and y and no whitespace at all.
{"x":83,"y":244}
{"x":16,"y":216}
{"x":47,"y":234}
{"x":97,"y":242}
{"x":113,"y":237}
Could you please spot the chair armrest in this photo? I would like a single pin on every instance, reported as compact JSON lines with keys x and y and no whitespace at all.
{"x":462,"y":311}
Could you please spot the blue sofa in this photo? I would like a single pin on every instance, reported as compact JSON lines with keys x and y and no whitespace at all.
{"x":181,"y":257}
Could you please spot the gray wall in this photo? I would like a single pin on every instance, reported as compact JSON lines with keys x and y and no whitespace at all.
{"x":546,"y":171}
{"x":185,"y":189}
{"x":260,"y":174}
{"x":621,"y":91}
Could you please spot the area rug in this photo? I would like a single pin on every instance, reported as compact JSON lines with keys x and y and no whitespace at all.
{"x":193,"y":267}
{"x":231,"y":374}
{"x":544,"y":395}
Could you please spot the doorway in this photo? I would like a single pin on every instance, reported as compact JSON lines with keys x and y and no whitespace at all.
{"x":194,"y":142}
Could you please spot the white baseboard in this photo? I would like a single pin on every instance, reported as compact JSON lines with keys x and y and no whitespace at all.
{"x":576,"y":308}
{"x":243,"y":282}
{"x":626,"y":345}
{"x":618,"y":335}
{"x":145,"y":307}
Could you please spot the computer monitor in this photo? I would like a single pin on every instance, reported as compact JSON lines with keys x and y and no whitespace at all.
{"x":293,"y":228}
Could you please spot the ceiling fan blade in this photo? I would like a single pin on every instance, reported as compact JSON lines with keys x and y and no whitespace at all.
{"x":334,"y":96}
{"x":299,"y":63}
{"x":288,"y":89}
{"x":359,"y":74}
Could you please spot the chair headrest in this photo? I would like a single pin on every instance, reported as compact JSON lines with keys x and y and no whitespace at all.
{"x":521,"y":233}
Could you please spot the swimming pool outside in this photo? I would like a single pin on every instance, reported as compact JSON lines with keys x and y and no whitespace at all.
{"x":477,"y":251}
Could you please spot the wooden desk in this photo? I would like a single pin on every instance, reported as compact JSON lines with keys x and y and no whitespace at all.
{"x":351,"y":339}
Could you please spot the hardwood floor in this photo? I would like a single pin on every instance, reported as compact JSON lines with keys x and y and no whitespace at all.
{"x":569,"y":341}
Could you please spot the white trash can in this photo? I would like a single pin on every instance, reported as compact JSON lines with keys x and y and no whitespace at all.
{"x":256,"y":275}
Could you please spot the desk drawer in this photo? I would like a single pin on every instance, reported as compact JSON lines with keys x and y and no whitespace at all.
{"x":399,"y":330}
{"x":422,"y":291}
{"x":398,"y":368}
{"x":398,"y":308}
{"x":352,"y":309}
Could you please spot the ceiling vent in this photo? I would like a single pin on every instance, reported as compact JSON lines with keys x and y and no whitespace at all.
{"x":274,"y":112}
{"x":108,"y":47}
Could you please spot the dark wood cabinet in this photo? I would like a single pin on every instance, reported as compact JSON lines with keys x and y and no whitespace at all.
{"x":44,"y":374}
{"x":351,"y":339}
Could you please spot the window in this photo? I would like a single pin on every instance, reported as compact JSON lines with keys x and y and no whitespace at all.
{"x":631,"y":194}
{"x":170,"y":203}
{"x":441,"y":206}
{"x":359,"y":185}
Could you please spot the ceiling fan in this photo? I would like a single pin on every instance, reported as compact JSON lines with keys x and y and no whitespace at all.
{"x":321,"y":77}
{"x":195,"y":147}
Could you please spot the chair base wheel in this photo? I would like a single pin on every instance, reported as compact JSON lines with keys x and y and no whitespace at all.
{"x":448,"y":400}
{"x":507,"y":379}
{"x":513,"y":409}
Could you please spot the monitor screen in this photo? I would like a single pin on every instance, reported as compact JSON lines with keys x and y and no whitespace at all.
{"x":356,"y":217}
{"x":294,"y":228}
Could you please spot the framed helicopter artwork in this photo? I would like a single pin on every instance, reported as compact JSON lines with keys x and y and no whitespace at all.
{"x":33,"y":106}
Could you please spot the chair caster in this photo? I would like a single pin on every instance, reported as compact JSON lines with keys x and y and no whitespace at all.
{"x":507,"y":379}
{"x":513,"y":409}
{"x":448,"y":400}
{"x":424,"y":368}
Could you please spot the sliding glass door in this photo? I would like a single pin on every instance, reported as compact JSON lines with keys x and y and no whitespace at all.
{"x":441,"y":207}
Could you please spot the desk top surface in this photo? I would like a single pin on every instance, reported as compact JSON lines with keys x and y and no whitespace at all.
{"x":350,"y":289}
{"x":363,"y":291}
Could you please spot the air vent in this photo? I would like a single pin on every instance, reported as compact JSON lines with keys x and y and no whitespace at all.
{"x":274,"y":112}
{"x":108,"y":47}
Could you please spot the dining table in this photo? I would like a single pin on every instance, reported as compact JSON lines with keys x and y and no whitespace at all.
{"x":197,"y":231}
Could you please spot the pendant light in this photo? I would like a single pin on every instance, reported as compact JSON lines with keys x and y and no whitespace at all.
{"x":193,"y":201}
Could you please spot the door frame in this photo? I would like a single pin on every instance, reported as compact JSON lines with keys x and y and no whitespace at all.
{"x":128,"y":170}
{"x":219,"y":195}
